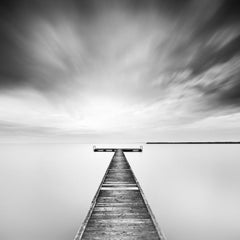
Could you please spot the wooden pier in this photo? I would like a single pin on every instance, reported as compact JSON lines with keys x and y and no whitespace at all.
{"x":119,"y":209}
{"x":115,"y":149}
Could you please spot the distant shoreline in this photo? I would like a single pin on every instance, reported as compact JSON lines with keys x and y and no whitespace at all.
{"x":217,"y":142}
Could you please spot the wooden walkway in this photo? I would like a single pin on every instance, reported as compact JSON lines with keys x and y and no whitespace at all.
{"x":115,"y":149}
{"x":119,"y":209}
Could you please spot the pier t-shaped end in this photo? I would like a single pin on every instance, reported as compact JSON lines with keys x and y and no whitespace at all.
{"x":95,"y":149}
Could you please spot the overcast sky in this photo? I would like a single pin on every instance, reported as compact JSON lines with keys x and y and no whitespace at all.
{"x":109,"y":70}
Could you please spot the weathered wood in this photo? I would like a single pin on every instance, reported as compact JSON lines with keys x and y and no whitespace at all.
{"x":115,"y":149}
{"x":119,"y":209}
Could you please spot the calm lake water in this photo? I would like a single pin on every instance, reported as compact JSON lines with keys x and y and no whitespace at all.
{"x":47,"y":189}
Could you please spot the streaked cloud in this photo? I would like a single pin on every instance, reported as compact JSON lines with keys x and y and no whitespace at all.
{"x":118,"y":66}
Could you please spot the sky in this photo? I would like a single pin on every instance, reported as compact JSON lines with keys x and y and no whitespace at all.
{"x":102,"y":71}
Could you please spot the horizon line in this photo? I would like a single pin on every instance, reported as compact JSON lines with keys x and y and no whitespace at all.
{"x":195,"y":142}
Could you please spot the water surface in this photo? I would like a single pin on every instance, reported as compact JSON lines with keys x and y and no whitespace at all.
{"x":47,"y":189}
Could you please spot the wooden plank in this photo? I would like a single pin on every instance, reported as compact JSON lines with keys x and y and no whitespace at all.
{"x":116,"y":149}
{"x":119,"y":209}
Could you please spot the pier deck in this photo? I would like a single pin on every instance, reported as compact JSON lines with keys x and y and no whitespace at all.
{"x":119,"y":209}
{"x":115,"y":149}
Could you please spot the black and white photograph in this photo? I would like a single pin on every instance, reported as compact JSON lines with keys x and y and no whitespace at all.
{"x":119,"y":119}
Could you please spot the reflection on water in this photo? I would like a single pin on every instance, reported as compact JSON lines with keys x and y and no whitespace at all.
{"x":46,"y":189}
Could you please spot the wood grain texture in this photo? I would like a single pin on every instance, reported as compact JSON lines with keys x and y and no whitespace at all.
{"x":119,"y":209}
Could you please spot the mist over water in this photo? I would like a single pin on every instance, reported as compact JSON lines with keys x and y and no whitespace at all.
{"x":47,"y":189}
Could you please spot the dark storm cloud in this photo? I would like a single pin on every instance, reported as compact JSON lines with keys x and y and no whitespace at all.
{"x":231,"y":96}
{"x":227,"y":14}
{"x":226,"y":93}
{"x":210,"y":56}
{"x":170,"y":6}
{"x":18,"y":68}
{"x":212,"y":42}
